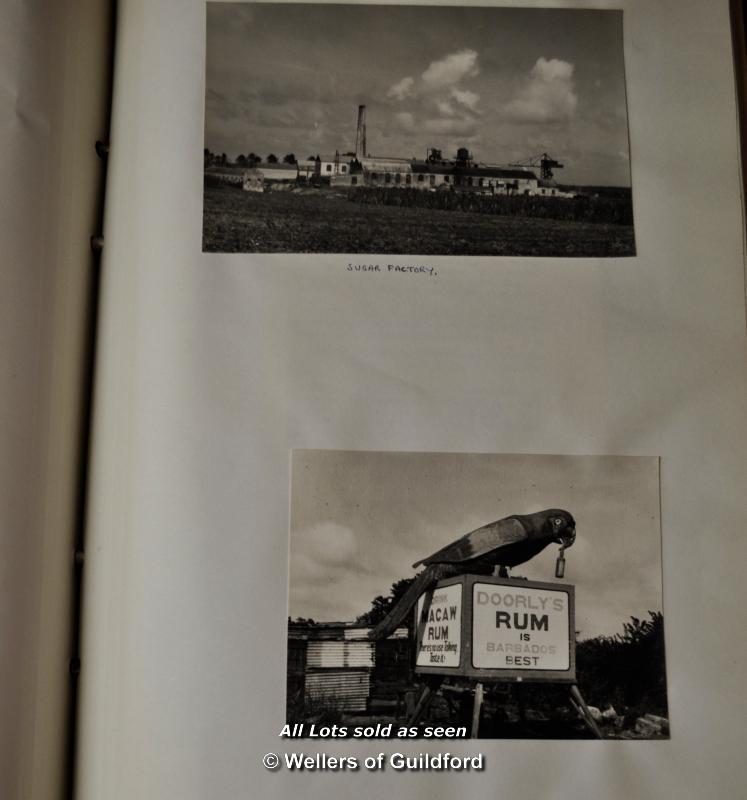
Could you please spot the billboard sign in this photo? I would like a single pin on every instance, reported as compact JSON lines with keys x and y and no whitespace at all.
{"x":497,"y":628}
{"x":520,"y":627}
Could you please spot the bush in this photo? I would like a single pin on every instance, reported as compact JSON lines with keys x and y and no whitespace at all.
{"x":218,"y":182}
{"x":626,"y":670}
{"x":323,"y":707}
{"x":614,"y":210}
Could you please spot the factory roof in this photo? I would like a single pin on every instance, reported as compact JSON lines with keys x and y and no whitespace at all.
{"x":343,"y":158}
{"x":386,"y":159}
{"x":227,"y":169}
{"x":238,"y":169}
{"x":264,"y":166}
{"x":478,"y":170}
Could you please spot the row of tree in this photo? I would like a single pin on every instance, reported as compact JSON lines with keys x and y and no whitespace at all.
{"x":215,"y":159}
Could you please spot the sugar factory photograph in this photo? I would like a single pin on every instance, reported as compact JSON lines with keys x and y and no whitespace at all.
{"x":423,"y":130}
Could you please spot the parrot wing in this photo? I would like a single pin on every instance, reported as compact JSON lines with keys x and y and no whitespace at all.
{"x":479,"y":542}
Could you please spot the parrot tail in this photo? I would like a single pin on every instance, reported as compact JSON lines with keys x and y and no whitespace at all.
{"x":425,"y":580}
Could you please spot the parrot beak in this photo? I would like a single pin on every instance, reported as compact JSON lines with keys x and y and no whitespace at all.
{"x":567,"y":538}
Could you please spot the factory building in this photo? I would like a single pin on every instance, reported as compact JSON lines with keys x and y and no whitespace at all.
{"x":276,"y":172}
{"x":427,"y":175}
{"x":436,"y":173}
{"x":433,"y":173}
{"x":253,"y":178}
{"x":325,"y":166}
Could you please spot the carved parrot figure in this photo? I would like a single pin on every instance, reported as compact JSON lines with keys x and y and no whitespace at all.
{"x":504,"y":543}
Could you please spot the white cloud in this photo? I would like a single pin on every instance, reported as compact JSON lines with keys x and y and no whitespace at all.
{"x":402,"y":89}
{"x":445,"y":107}
{"x":326,"y":544}
{"x":466,"y":98}
{"x":548,"y":94}
{"x":405,"y":120}
{"x":330,"y":579}
{"x":451,"y":69}
{"x":552,"y":69}
{"x":451,"y":127}
{"x":439,"y":102}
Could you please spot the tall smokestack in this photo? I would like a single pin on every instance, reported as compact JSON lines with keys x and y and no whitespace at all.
{"x":360,"y":137}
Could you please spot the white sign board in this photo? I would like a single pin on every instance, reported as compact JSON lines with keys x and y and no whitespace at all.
{"x":439,"y":619}
{"x":517,"y":628}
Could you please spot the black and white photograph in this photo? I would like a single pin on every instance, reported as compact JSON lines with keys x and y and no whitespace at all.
{"x":501,"y":596}
{"x":416,"y":130}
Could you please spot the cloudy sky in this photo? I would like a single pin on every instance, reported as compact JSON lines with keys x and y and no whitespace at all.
{"x":506,"y":83}
{"x":359,"y":520}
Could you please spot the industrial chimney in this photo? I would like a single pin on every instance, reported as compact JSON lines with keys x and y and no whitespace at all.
{"x":360,"y":137}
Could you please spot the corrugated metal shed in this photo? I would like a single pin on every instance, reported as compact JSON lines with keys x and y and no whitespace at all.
{"x":338,"y":664}
{"x":331,"y":654}
{"x":356,"y":633}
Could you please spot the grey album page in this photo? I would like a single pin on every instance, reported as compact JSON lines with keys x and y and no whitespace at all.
{"x":420,"y":403}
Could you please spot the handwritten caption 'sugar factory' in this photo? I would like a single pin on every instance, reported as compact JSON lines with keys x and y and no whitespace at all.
{"x":410,"y":269}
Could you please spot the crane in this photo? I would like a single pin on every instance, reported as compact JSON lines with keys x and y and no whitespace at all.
{"x":544,"y":162}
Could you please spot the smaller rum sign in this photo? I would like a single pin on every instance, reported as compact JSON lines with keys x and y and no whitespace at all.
{"x":439,"y":616}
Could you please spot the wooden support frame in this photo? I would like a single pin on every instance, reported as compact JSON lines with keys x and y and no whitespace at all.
{"x":460,"y":655}
{"x":431,"y":689}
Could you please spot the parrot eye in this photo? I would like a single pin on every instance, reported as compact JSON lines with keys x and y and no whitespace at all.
{"x":558,"y":522}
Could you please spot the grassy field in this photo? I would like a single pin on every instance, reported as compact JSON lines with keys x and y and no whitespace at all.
{"x":324,"y":221}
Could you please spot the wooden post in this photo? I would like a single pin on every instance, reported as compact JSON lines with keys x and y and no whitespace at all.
{"x":431,"y":687}
{"x":409,"y":704}
{"x":580,"y":705}
{"x":421,"y":706}
{"x":476,"y":709}
{"x":519,"y":689}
